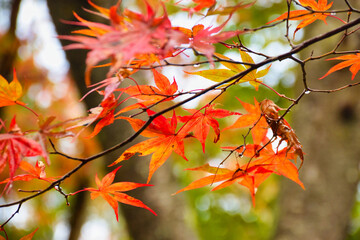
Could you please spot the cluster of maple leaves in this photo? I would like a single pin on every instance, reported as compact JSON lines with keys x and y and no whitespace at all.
{"x":132,"y":41}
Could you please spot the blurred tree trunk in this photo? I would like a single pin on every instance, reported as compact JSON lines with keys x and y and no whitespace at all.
{"x":9,"y":43}
{"x":141,"y":224}
{"x":328,"y":126}
{"x":9,"y":46}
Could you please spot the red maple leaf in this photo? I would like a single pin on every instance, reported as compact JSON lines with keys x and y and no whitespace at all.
{"x":14,"y":146}
{"x":199,"y":123}
{"x":164,"y":139}
{"x":114,"y":192}
{"x":253,"y":119}
{"x":350,"y":60}
{"x":203,"y":38}
{"x":130,"y":36}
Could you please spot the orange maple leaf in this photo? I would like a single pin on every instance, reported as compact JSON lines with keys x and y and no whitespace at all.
{"x":27,"y":237}
{"x":251,"y":174}
{"x":148,"y":95}
{"x":279,"y":161}
{"x":307,"y":16}
{"x":10,"y":92}
{"x":218,"y":175}
{"x":200,"y":4}
{"x":251,"y":177}
{"x":163,"y":141}
{"x":37,"y":172}
{"x":104,"y":113}
{"x":352,"y":60}
{"x":254,"y":119}
{"x":113,"y":192}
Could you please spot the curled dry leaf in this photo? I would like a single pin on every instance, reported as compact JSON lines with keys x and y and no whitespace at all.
{"x":281,"y":128}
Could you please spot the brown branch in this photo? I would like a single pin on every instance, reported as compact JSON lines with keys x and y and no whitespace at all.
{"x":334,"y":90}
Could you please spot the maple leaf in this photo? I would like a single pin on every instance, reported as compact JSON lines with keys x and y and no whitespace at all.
{"x":104,"y":113}
{"x":251,"y":177}
{"x":52,"y":130}
{"x":280,"y":162}
{"x":37,"y":172}
{"x":201,"y":4}
{"x":14,"y":146}
{"x":114,"y":192}
{"x":110,"y":85}
{"x":199,"y":123}
{"x":131,"y":35}
{"x":47,"y":129}
{"x":219,"y":75}
{"x":10,"y":92}
{"x":352,"y":60}
{"x":148,"y":95}
{"x":202,"y":39}
{"x":254,"y":119}
{"x":163,"y":141}
{"x":218,"y":174}
{"x":307,"y":16}
{"x":27,"y":237}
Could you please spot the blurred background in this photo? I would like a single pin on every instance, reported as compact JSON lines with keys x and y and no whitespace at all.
{"x":326,"y":124}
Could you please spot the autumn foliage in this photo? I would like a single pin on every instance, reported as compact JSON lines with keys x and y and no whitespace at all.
{"x":133,"y":42}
